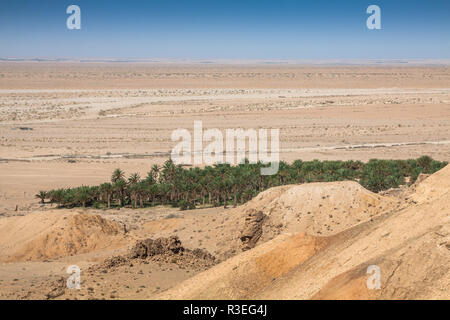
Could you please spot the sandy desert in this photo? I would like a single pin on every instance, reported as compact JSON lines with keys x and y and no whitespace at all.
{"x":67,"y":124}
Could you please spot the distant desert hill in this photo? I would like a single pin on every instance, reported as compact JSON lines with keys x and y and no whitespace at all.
{"x":411,"y":246}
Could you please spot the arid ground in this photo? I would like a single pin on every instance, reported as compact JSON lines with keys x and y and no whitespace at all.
{"x":69,"y":124}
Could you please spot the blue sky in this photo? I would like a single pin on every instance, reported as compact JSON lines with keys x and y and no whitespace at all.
{"x":244,"y":29}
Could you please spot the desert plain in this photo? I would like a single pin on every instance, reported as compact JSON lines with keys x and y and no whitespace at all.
{"x":66,"y":124}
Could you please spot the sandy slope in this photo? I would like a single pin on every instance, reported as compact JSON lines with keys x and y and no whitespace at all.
{"x":317,"y":208}
{"x":50,"y":235}
{"x":411,"y":247}
{"x":246,"y":274}
{"x":81,"y":238}
{"x":310,"y":241}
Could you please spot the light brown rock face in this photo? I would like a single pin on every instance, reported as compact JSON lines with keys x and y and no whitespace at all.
{"x":252,"y":229}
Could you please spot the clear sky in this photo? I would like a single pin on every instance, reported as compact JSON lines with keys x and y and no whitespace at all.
{"x":236,"y":29}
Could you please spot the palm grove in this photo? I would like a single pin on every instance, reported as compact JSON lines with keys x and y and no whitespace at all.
{"x":223,"y":184}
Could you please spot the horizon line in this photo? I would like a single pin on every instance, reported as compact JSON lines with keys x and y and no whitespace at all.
{"x":155,"y":60}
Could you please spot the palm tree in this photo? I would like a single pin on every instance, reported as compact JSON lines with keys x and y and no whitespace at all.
{"x":283,"y":172}
{"x":68,"y":198}
{"x":83,"y":195}
{"x":155,"y":172}
{"x":143,"y":192}
{"x":153,"y":192}
{"x":119,"y":189}
{"x":164,"y":190}
{"x":168,"y":172}
{"x":117,"y":175}
{"x":41,"y":195}
{"x":134,"y":178}
{"x":134,"y":192}
{"x":107,"y":189}
{"x":225,"y":190}
{"x":95,"y":193}
{"x":57,"y":196}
